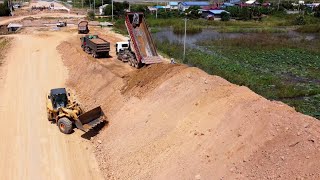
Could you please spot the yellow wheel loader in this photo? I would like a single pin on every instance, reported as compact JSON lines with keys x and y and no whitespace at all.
{"x":66,"y":113}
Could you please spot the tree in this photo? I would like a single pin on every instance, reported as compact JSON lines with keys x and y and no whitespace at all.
{"x":193,"y":12}
{"x":91,"y":15}
{"x":118,"y":8}
{"x":4,"y":9}
{"x":317,"y":12}
{"x":225,"y":16}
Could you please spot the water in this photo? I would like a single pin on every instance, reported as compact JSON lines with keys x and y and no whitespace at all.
{"x":167,"y":34}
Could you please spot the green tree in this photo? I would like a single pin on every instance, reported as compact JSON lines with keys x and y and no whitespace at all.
{"x":4,"y":10}
{"x":225,"y":16}
{"x":91,"y":15}
{"x":193,"y":12}
{"x":317,"y":12}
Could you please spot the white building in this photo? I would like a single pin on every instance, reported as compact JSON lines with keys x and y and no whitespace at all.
{"x":101,"y":9}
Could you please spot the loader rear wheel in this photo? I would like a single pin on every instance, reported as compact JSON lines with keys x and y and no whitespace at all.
{"x":65,"y":125}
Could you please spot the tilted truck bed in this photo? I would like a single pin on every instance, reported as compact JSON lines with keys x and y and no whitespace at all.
{"x":141,"y":38}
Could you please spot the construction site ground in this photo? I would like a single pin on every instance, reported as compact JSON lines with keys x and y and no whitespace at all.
{"x":165,"y":121}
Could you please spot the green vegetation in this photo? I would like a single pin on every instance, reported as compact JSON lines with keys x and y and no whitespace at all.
{"x":273,"y":66}
{"x":4,"y":10}
{"x":91,"y":15}
{"x":225,"y":16}
{"x":4,"y":43}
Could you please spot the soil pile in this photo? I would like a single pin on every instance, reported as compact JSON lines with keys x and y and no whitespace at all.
{"x":176,"y":122}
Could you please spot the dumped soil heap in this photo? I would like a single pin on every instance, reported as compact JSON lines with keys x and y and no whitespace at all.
{"x":176,"y":122}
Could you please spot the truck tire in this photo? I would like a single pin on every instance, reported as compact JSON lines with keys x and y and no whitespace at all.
{"x":49,"y":116}
{"x":65,"y":125}
{"x":94,"y":54}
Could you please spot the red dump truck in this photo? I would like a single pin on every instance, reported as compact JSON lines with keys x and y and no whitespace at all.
{"x":140,"y":50}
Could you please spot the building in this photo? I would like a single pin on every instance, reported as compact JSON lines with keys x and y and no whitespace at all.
{"x":182,"y":6}
{"x":13,"y":27}
{"x":216,"y":13}
{"x":173,"y":5}
{"x":101,"y":9}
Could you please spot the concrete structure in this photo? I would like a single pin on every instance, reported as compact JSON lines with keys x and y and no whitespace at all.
{"x":13,"y":27}
{"x":101,"y":9}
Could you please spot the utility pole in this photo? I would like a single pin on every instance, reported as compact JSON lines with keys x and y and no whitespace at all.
{"x":157,"y":10}
{"x":184,"y":39}
{"x":112,"y":10}
{"x":278,"y":5}
{"x":94,"y":6}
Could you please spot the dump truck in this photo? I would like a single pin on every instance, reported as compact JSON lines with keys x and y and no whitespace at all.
{"x":83,"y":27}
{"x":94,"y":45}
{"x":140,"y":49}
{"x":67,"y":113}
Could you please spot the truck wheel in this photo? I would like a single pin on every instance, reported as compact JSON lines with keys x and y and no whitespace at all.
{"x":94,"y":54}
{"x":65,"y":125}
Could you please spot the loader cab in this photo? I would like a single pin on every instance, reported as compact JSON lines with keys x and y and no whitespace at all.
{"x":58,"y":98}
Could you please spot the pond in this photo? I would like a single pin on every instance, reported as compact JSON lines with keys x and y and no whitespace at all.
{"x":167,"y":34}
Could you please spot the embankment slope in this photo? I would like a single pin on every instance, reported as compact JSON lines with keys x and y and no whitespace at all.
{"x":176,"y":122}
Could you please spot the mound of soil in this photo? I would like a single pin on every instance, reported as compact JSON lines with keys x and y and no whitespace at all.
{"x":144,"y":80}
{"x":175,"y":122}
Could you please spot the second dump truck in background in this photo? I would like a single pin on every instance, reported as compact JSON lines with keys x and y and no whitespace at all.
{"x":83,"y":27}
{"x":93,"y":44}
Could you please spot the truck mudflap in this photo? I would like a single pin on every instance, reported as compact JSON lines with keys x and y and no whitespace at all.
{"x":90,"y":119}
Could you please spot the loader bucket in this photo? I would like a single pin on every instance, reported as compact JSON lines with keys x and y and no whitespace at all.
{"x":90,"y":119}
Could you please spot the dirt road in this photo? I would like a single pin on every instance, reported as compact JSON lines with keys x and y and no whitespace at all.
{"x":31,"y":147}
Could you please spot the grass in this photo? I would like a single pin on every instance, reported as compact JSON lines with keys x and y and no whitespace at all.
{"x":4,"y":43}
{"x":273,"y":66}
{"x":312,"y":28}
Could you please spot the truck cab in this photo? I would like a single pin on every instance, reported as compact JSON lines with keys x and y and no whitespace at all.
{"x":121,"y":46}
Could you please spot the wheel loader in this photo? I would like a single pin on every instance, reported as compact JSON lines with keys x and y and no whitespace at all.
{"x":67,"y":113}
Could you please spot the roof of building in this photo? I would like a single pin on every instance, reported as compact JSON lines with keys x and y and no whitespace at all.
{"x":159,"y":7}
{"x":228,"y":4}
{"x":216,"y":11}
{"x":250,"y":1}
{"x":173,"y":3}
{"x":12,"y":25}
{"x":195,"y":3}
{"x":234,"y":1}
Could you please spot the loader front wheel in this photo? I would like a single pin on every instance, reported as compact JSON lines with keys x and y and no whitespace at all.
{"x":65,"y":125}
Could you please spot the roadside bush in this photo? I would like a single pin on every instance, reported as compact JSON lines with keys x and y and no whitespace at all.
{"x":299,"y":21}
{"x":225,"y":16}
{"x":91,"y":15}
